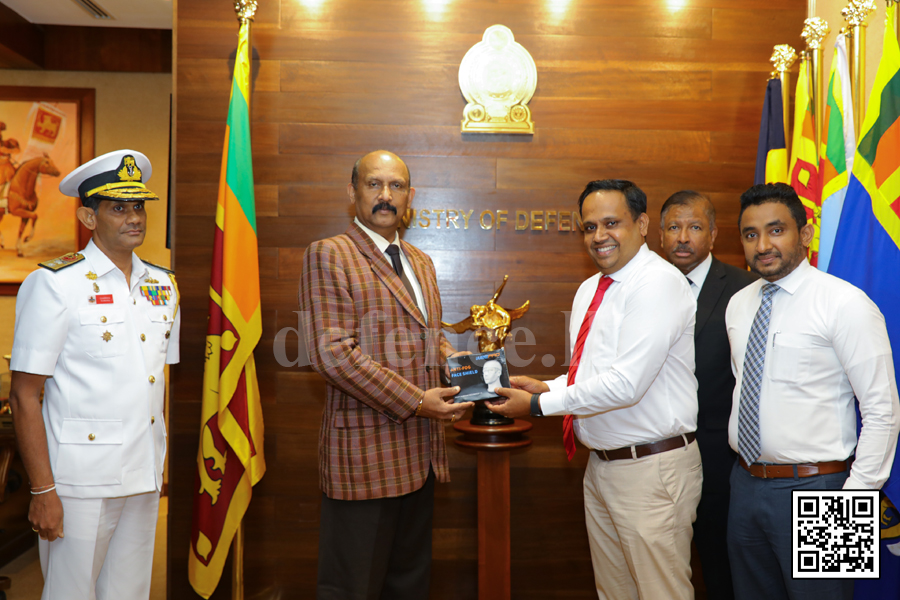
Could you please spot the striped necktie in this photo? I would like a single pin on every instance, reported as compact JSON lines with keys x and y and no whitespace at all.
{"x":749,"y":439}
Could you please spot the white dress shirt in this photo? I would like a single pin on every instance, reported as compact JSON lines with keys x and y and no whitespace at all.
{"x":698,"y":274}
{"x":382,"y":244}
{"x":827,"y":342}
{"x":635,"y":383}
{"x":104,"y":353}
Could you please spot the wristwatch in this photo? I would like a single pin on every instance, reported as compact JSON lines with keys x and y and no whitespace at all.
{"x":536,"y":406}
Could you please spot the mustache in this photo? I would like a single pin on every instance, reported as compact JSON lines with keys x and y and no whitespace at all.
{"x":384,"y":206}
{"x":774,"y":253}
{"x":683,"y":248}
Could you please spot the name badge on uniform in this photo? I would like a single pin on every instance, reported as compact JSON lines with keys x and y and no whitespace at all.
{"x":158,"y":295}
{"x":104,"y":298}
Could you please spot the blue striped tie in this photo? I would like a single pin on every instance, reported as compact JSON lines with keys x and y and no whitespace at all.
{"x":749,"y":442}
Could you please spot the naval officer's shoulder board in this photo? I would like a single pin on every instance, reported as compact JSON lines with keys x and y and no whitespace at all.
{"x":66,"y":260}
{"x":150,"y":264}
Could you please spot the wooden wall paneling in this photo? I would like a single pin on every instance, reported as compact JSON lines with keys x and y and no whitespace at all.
{"x":207,"y":13}
{"x":22,"y":45}
{"x":322,"y":201}
{"x":551,"y":174}
{"x":668,"y":98}
{"x":739,"y":24}
{"x":410,"y":46}
{"x":278,"y":169}
{"x":214,"y":75}
{"x":638,"y":113}
{"x":586,"y":79}
{"x":361,"y":108}
{"x":733,"y":146}
{"x":66,"y":48}
{"x":203,"y":136}
{"x":681,"y":5}
{"x":449,"y":240}
{"x":533,"y":267}
{"x":266,"y":197}
{"x":197,"y":200}
{"x":547,"y":143}
{"x":610,"y":21}
{"x":318,"y":76}
{"x":735,"y":85}
{"x":69,"y":48}
{"x":285,"y":232}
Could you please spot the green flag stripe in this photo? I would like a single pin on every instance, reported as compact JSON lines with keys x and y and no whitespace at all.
{"x":834,"y":147}
{"x":890,"y":111}
{"x":239,"y":174}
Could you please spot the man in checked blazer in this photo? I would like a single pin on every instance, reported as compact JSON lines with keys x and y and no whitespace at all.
{"x":687,"y":232}
{"x":372,"y":314}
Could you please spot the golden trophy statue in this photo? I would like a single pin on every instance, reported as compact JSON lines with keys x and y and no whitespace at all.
{"x":493,"y":437}
{"x":491,"y":323}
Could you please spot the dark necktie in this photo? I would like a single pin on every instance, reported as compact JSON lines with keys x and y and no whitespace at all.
{"x":394,"y":252}
{"x":569,"y":420}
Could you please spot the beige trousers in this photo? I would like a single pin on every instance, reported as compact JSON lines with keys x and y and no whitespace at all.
{"x":639,"y":515}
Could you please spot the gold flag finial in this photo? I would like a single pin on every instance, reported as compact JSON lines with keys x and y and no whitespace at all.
{"x":858,"y":11}
{"x":245,"y":10}
{"x":815,"y":31}
{"x":783,"y":57}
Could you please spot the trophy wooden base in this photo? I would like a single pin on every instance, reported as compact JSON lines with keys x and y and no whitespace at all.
{"x":493,"y":444}
{"x":482,"y":415}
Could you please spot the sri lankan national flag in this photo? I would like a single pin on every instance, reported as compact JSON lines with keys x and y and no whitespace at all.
{"x":867,"y":254}
{"x":805,"y":158}
{"x":771,"y":154}
{"x":838,"y":145}
{"x":230,"y":457}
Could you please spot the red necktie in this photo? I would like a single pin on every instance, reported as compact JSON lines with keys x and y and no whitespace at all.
{"x":569,"y":420}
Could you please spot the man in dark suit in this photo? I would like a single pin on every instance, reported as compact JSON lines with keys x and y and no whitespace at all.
{"x":687,"y":233}
{"x":372,"y":311}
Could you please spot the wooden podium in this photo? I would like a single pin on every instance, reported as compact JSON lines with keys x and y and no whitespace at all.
{"x":493,"y":443}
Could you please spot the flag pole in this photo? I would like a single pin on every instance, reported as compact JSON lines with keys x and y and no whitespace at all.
{"x":896,"y":22}
{"x":783,"y":57}
{"x":815,"y":30}
{"x":244,"y":10}
{"x":856,"y":14}
{"x":237,"y":564}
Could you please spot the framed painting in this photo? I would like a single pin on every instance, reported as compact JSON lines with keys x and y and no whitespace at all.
{"x":45,"y":133}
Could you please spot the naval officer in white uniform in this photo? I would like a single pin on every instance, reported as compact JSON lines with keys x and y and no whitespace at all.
{"x":95,"y":330}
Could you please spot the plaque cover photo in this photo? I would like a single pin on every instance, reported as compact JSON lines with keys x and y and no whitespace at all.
{"x":477,"y":375}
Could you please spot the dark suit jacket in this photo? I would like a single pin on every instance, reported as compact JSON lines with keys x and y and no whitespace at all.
{"x":378,"y":354}
{"x":714,"y":376}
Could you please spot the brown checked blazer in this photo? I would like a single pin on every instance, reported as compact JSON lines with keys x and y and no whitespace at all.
{"x":368,"y":339}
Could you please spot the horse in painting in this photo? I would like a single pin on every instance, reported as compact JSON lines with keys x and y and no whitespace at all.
{"x":22,"y":200}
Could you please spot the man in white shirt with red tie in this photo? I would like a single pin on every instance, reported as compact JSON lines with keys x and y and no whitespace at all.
{"x":805,"y":346}
{"x":631,"y":397}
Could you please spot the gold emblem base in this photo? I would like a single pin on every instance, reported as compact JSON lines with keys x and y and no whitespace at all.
{"x":526,"y":127}
{"x":517,"y":119}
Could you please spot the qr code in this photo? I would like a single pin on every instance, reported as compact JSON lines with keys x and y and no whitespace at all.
{"x":836,"y":534}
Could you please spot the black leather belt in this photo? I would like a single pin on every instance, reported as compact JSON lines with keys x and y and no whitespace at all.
{"x":647,"y":449}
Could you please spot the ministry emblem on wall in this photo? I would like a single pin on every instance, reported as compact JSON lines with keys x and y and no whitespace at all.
{"x":498,"y":77}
